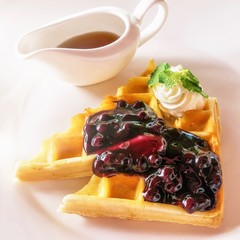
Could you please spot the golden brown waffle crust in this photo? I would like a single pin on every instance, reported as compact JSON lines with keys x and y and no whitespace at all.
{"x":132,"y":209}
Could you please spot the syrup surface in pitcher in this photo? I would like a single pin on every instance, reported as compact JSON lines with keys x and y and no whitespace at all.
{"x":90,"y":40}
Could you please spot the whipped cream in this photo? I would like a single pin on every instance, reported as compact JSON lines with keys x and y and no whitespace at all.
{"x":177,"y":99}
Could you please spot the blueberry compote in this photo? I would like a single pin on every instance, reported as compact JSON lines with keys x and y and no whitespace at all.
{"x":179,"y":167}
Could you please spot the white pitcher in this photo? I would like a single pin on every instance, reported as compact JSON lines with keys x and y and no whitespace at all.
{"x":83,"y":67}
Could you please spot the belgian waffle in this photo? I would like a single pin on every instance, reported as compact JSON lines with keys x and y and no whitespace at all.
{"x":121,"y":196}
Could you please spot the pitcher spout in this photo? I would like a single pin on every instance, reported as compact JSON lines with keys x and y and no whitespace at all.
{"x":33,"y":43}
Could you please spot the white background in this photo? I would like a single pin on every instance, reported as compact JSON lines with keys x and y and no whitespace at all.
{"x":202,"y":35}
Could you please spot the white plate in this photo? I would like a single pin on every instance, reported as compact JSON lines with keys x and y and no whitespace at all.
{"x":39,"y":105}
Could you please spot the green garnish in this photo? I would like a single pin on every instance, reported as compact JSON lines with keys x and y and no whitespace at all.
{"x":164,"y":74}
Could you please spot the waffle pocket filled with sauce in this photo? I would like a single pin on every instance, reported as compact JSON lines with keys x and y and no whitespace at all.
{"x":125,"y":194}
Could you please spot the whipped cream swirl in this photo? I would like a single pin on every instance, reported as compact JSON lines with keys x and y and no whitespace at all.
{"x":177,"y":99}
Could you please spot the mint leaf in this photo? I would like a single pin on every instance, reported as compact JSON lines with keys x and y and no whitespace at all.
{"x":192,"y":87}
{"x":191,"y":83}
{"x":164,"y":74}
{"x":159,"y":74}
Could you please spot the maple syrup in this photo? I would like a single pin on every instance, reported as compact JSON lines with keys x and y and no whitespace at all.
{"x":90,"y":40}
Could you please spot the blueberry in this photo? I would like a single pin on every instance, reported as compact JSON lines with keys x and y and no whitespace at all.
{"x":203,"y":144}
{"x":167,"y":173}
{"x":102,"y":127}
{"x":189,"y":203}
{"x":152,"y":181}
{"x":99,"y":167}
{"x":106,"y":157}
{"x":90,"y":129}
{"x":188,"y":157}
{"x":172,"y":187}
{"x":152,"y":195}
{"x":156,"y":126}
{"x":130,"y":117}
{"x":214,"y":181}
{"x":203,"y":160}
{"x":97,"y":140}
{"x":138,"y":105}
{"x":142,"y":116}
{"x":121,"y":104}
{"x":141,"y":165}
{"x":197,"y":202}
{"x":122,"y":158}
{"x":105,"y":117}
{"x":155,"y":160}
{"x":195,"y":186}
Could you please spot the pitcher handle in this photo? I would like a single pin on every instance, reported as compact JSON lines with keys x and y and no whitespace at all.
{"x":158,"y":21}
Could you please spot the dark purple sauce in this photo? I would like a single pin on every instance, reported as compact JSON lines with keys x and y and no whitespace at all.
{"x":179,"y":167}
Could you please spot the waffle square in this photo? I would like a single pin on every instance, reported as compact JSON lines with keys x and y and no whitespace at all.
{"x":121,"y":196}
